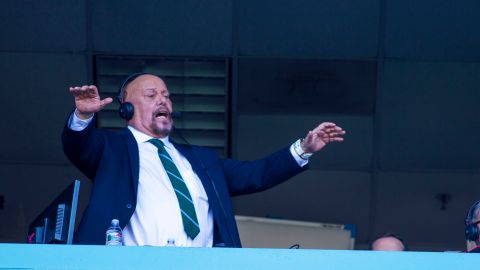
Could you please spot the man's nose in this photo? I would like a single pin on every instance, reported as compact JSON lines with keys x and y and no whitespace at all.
{"x":161,"y":99}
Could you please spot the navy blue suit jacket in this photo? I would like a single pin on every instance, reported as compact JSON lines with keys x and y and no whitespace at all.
{"x":111,"y":160}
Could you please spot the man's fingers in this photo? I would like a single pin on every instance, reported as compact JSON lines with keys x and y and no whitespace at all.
{"x":327,"y":132}
{"x":324,"y":126}
{"x":328,"y":124}
{"x":332,"y":129}
{"x":75,"y":89}
{"x":106,"y":101}
{"x":335,"y":139}
{"x":335,"y":129}
{"x":331,"y":132}
{"x":335,"y":134}
{"x":84,"y":92}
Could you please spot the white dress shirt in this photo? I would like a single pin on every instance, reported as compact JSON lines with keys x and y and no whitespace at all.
{"x":157,"y":217}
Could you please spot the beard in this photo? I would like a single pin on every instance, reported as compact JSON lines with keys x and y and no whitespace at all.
{"x":163,"y":129}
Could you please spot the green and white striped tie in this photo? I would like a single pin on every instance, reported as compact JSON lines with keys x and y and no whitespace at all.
{"x":187,"y":209}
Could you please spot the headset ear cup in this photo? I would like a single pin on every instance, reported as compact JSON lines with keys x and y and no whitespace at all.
{"x":471,"y":232}
{"x":126,"y":110}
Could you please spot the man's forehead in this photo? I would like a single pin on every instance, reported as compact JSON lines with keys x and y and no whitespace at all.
{"x":148,"y":82}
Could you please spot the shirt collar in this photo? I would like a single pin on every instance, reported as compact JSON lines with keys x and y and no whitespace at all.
{"x":141,"y":137}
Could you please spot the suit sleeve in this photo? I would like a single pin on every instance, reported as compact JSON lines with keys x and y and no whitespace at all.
{"x":244,"y":177}
{"x":84,"y":148}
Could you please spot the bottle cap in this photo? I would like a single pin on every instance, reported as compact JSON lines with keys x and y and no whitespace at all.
{"x":115,"y":222}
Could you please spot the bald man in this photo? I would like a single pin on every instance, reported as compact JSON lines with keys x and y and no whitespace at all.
{"x":160,"y":190}
{"x":388,"y":242}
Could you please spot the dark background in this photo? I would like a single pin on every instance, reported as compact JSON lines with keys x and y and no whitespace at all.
{"x":401,"y":76}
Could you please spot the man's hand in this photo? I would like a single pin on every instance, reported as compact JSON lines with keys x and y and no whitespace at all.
{"x":322,"y":135}
{"x":87,"y":100}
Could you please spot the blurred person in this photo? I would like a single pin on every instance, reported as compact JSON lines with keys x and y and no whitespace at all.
{"x":472,"y":220}
{"x":389,"y":242}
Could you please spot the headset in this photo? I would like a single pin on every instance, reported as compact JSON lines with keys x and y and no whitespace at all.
{"x":126,"y":109}
{"x":471,"y":228}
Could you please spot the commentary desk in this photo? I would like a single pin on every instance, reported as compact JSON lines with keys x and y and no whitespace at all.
{"x":24,"y":256}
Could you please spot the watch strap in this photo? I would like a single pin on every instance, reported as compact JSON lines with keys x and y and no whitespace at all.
{"x":299,"y":150}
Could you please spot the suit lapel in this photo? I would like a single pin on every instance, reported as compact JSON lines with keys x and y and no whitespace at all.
{"x":226,"y":235}
{"x":133,"y":155}
{"x":200,"y":169}
{"x":197,"y":166}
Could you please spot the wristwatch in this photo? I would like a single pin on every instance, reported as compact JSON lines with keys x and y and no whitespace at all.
{"x":299,"y":150}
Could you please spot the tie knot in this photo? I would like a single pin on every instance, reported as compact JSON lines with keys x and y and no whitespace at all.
{"x":158,"y":143}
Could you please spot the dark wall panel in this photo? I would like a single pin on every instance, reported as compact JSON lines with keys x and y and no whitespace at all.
{"x":162,"y":27}
{"x":330,"y":197}
{"x":48,"y":25}
{"x":429,"y":116}
{"x":432,"y":29}
{"x":306,"y":86}
{"x":35,"y":88}
{"x":308,"y":28}
{"x":408,"y":205}
{"x":261,"y":135}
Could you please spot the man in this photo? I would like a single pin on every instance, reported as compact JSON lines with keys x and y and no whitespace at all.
{"x":389,"y":242}
{"x":188,"y":198}
{"x":472,"y":228}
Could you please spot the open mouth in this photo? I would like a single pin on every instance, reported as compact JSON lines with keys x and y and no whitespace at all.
{"x":162,"y":114}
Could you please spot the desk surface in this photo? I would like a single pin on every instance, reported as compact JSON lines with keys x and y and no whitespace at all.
{"x":23,"y":256}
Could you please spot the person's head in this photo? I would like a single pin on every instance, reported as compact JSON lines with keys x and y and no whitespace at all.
{"x":152,"y":107}
{"x":472,"y":220}
{"x":389,"y":242}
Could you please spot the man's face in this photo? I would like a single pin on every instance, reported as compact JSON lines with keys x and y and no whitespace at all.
{"x":153,"y":107}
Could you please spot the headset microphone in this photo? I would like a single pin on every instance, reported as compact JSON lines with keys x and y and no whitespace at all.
{"x":176,"y":115}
